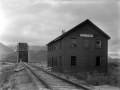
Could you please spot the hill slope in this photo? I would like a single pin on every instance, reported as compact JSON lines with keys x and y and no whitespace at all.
{"x":4,"y":50}
{"x":31,"y":47}
{"x":35,"y":56}
{"x":40,"y":57}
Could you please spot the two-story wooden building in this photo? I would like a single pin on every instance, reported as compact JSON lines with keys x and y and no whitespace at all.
{"x":82,"y":48}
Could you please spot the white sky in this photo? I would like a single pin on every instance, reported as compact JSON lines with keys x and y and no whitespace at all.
{"x":38,"y":22}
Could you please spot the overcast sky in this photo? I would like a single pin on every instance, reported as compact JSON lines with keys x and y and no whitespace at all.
{"x":38,"y":22}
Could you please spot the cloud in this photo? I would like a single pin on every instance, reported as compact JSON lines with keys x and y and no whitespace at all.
{"x":40,"y":21}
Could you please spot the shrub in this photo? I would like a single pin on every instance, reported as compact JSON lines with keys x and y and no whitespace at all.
{"x":95,"y":78}
{"x":82,"y":75}
{"x":113,"y":64}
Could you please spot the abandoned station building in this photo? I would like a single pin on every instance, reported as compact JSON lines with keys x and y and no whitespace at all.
{"x":82,"y":48}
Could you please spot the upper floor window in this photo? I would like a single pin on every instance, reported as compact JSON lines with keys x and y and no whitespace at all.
{"x":98,"y":43}
{"x":56,"y":47}
{"x":86,"y":43}
{"x":73,"y":60}
{"x":73,"y":42}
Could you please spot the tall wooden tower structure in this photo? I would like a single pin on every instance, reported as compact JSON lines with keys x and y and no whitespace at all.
{"x":23,"y":52}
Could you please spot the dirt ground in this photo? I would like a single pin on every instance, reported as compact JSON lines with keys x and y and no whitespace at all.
{"x":11,"y":80}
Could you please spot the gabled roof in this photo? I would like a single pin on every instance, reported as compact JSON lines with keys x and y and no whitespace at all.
{"x":87,"y":20}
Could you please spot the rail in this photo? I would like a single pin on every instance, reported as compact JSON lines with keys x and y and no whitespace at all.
{"x":65,"y":80}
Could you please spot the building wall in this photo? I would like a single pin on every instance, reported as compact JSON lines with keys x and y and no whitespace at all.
{"x":86,"y":58}
{"x":53,"y":54}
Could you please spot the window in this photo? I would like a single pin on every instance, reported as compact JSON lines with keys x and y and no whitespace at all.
{"x":98,"y":61}
{"x":56,"y":47}
{"x":98,"y":43}
{"x":60,"y":61}
{"x":73,"y":42}
{"x":86,"y":43}
{"x":73,"y":60}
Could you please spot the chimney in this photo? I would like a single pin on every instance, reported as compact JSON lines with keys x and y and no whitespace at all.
{"x":63,"y":31}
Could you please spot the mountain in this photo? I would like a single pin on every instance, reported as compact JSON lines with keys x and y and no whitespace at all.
{"x":13,"y":47}
{"x":110,"y":59}
{"x":35,"y":56}
{"x":10,"y":58}
{"x":114,"y":55}
{"x":31,"y":47}
{"x":37,"y":47}
{"x":40,"y":56}
{"x":4,"y":50}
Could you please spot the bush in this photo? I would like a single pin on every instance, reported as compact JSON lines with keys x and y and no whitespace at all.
{"x":82,"y":75}
{"x":113,"y":64}
{"x":95,"y":78}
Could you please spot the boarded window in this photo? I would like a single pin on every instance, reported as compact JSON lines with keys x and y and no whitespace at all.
{"x":73,"y":60}
{"x":73,"y":42}
{"x":98,"y":61}
{"x":86,"y":43}
{"x":98,"y":43}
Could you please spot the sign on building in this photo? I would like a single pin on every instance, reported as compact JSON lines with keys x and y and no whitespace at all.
{"x":86,"y":35}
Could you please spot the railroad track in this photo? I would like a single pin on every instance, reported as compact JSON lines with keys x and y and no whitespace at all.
{"x":51,"y":81}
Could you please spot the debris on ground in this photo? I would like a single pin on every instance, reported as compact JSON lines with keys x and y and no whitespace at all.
{"x":19,"y":68}
{"x":12,"y":80}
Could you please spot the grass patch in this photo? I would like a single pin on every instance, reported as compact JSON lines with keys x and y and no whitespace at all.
{"x":5,"y":73}
{"x":95,"y":78}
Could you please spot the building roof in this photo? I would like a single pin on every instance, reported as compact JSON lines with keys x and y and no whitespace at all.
{"x":87,"y":20}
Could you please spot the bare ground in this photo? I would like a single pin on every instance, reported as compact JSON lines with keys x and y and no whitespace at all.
{"x":11,"y":80}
